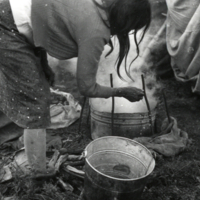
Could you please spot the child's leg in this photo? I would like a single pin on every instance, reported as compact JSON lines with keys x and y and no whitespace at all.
{"x":35,"y":148}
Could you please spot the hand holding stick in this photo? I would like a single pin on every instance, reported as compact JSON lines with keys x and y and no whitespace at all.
{"x":166,"y":108}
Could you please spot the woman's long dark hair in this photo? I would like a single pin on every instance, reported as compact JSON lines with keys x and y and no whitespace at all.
{"x":125,"y":16}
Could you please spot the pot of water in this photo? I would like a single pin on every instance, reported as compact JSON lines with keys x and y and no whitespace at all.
{"x":116,"y":168}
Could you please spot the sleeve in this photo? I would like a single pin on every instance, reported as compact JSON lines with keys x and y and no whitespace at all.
{"x":88,"y":59}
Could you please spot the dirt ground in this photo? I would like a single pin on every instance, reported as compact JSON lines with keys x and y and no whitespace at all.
{"x":178,"y":178}
{"x":175,"y":178}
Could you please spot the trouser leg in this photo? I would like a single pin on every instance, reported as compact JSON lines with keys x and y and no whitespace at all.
{"x":35,"y":148}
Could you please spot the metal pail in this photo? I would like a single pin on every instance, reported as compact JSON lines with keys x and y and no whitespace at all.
{"x":128,"y":125}
{"x":116,"y":168}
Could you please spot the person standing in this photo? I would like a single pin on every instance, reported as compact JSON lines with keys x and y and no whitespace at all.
{"x":29,"y":29}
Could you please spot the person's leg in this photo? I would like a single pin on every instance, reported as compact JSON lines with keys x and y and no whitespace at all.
{"x":24,"y":89}
{"x":35,"y":148}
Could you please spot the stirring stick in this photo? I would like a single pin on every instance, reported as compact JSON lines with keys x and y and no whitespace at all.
{"x":80,"y":122}
{"x":166,"y":108}
{"x":148,"y":107}
{"x":113,"y":108}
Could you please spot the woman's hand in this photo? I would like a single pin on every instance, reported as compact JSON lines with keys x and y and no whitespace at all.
{"x":130,"y":93}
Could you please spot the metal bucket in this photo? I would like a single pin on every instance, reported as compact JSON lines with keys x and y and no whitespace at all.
{"x":128,"y":125}
{"x":116,"y":168}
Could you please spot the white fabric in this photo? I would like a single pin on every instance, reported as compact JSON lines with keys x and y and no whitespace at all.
{"x":22,"y":15}
{"x":64,"y":115}
{"x":183,"y":39}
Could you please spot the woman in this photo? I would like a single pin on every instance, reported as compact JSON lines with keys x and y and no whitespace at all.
{"x":64,"y":29}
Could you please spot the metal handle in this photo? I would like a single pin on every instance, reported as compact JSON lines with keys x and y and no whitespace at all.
{"x":84,"y":154}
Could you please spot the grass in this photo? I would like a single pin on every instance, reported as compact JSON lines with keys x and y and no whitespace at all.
{"x":27,"y":189}
{"x":176,"y":178}
{"x":22,"y":187}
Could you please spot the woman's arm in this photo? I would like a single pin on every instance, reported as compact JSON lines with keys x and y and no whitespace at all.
{"x":87,"y":66}
{"x":88,"y":59}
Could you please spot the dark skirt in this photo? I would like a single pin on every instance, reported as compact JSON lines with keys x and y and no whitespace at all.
{"x":24,"y":90}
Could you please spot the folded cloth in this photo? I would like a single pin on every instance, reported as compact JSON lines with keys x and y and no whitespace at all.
{"x":170,"y":142}
{"x":65,"y":113}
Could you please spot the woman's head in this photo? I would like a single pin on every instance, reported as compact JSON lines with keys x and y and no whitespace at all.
{"x":126,"y":16}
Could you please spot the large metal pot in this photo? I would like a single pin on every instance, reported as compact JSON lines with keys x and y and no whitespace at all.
{"x":116,"y":168}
